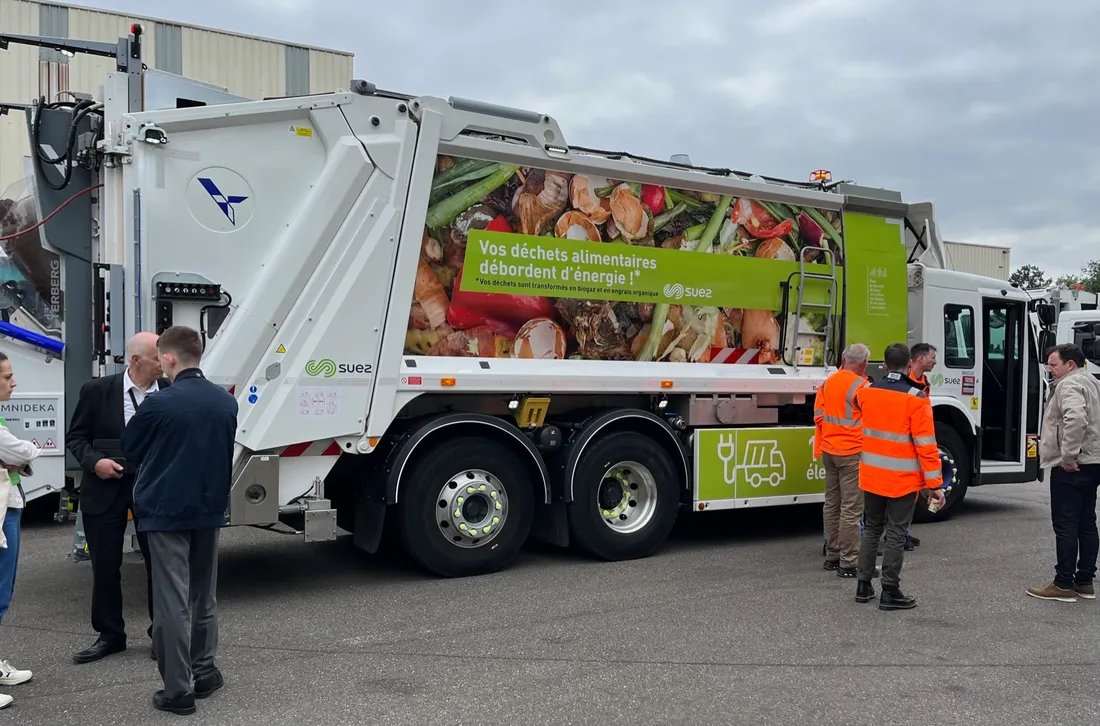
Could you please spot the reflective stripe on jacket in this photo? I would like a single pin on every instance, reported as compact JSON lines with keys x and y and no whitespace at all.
{"x":836,"y":416}
{"x":899,"y":454}
{"x":922,"y":383}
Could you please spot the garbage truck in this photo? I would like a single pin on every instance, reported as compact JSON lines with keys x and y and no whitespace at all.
{"x":444,"y":322}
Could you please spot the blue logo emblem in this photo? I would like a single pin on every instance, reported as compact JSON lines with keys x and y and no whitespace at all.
{"x":225,"y":203}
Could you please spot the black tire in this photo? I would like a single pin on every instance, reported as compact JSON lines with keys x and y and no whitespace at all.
{"x":419,"y":500}
{"x":948,"y":438}
{"x":587,"y":527}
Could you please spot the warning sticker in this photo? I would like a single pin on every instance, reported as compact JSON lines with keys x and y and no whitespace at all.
{"x":975,"y":403}
{"x":49,"y":444}
{"x":280,"y":349}
{"x":1032,"y":446}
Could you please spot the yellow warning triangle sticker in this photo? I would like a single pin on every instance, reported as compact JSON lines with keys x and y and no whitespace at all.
{"x":280,"y":349}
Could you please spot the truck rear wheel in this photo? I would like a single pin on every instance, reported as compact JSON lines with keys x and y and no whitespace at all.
{"x":466,"y":508}
{"x":956,"y":465}
{"x":626,"y":495}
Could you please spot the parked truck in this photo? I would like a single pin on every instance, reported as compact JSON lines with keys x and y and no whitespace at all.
{"x":441,"y":319}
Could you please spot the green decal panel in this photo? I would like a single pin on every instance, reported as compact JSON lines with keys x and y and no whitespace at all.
{"x":757,"y":462}
{"x":876,"y":282}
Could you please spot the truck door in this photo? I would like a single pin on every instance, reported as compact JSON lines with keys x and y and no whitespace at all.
{"x":1010,"y":387}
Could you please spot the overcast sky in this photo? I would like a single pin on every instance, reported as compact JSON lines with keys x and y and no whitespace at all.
{"x":988,"y":108}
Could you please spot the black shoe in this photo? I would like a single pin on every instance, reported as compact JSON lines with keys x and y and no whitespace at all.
{"x":914,"y":540}
{"x":182,"y":705}
{"x":893,"y":599}
{"x":832,"y":564}
{"x":865,"y":592}
{"x":909,"y":545}
{"x":205,"y":686}
{"x":99,"y":650}
{"x":846,"y":572}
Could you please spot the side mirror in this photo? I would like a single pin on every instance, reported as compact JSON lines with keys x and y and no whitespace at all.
{"x":1048,"y":314}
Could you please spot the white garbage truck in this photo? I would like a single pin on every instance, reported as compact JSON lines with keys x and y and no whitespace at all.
{"x":442,"y":320}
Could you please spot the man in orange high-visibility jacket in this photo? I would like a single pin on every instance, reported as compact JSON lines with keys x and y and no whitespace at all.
{"x":838,"y":440}
{"x":922,"y":360}
{"x":898,"y":460}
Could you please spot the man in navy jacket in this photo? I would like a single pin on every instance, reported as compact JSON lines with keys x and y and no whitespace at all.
{"x":181,"y":444}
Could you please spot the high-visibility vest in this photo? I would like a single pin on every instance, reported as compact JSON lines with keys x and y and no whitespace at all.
{"x":922,"y":383}
{"x":836,"y":417}
{"x":899,"y":454}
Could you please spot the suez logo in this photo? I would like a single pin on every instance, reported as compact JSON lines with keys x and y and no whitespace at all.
{"x":678,"y":292}
{"x":328,"y":368}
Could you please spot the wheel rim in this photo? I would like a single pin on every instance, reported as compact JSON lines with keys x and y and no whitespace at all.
{"x":627,"y":497}
{"x":949,"y":470}
{"x":472,"y":508}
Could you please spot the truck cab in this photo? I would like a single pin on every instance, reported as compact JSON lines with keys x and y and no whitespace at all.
{"x":988,"y":387}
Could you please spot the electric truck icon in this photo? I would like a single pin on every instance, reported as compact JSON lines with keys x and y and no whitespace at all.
{"x":761,"y":461}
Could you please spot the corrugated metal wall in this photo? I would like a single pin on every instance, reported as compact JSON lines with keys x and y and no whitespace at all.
{"x":18,"y":84}
{"x":980,"y":259}
{"x":249,"y":67}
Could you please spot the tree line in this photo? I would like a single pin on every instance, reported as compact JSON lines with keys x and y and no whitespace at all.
{"x":1030,"y":276}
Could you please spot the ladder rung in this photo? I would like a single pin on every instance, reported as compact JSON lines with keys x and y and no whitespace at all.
{"x":815,"y":305}
{"x":812,"y":332}
{"x":816,"y":276}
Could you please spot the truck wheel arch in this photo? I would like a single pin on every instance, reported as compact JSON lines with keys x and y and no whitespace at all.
{"x":457,"y":424}
{"x":637,"y":420}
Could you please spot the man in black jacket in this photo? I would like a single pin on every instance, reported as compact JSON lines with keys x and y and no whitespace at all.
{"x":104,"y":407}
{"x":181,"y":442}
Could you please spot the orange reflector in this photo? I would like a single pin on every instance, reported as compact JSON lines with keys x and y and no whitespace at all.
{"x":702,"y":506}
{"x":373,"y":441}
{"x":666,"y":384}
{"x":446,"y":381}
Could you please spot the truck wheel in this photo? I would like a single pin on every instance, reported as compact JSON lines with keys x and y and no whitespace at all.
{"x":626,"y":494}
{"x":956,"y":463}
{"x":466,"y":508}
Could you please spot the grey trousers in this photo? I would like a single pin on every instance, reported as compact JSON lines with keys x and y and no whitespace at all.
{"x":185,"y":606}
{"x":892,"y":515}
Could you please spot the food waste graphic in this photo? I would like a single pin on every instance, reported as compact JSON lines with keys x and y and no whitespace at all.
{"x":521,"y":262}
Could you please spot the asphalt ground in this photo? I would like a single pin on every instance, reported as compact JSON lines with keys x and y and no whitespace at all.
{"x":735,"y":622}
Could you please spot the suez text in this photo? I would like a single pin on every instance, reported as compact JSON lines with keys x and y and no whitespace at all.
{"x":354,"y":368}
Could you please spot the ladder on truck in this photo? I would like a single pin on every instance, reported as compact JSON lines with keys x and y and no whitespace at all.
{"x":803,"y":306}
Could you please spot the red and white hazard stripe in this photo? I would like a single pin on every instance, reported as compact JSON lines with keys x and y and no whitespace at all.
{"x":743,"y":356}
{"x":322,"y":447}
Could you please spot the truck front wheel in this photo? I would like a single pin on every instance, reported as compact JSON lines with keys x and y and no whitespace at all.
{"x":466,"y":508}
{"x":626,"y":495}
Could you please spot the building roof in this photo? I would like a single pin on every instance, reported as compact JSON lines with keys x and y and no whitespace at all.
{"x":208,"y":29}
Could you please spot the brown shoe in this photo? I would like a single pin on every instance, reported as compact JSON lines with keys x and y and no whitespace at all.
{"x":1053,"y":592}
{"x":1086,"y":591}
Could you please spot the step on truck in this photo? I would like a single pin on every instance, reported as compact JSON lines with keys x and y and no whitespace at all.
{"x":444,"y":322}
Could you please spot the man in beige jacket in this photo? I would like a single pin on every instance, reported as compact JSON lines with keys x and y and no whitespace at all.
{"x":1070,"y":449}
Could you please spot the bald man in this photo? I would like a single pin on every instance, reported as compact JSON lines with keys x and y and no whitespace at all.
{"x":104,"y":408}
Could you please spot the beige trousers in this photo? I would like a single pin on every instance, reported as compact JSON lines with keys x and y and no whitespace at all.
{"x":843,"y":508}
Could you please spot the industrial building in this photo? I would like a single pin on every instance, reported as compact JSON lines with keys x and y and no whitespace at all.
{"x":988,"y":260}
{"x":244,"y":65}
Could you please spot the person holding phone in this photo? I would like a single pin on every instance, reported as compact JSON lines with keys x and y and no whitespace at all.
{"x":103,"y":409}
{"x":16,"y":456}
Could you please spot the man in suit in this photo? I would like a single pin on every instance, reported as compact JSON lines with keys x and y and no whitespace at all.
{"x":181,"y":443}
{"x":103,"y":409}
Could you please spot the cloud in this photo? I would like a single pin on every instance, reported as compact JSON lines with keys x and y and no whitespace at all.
{"x":992,"y":116}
